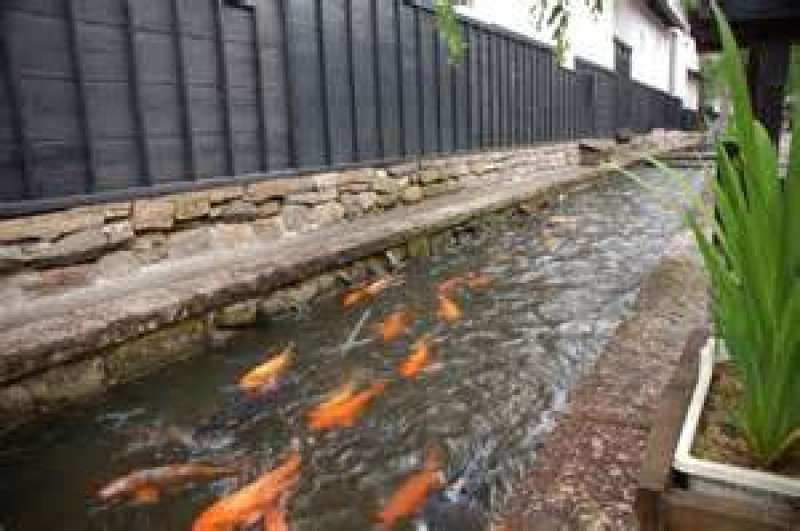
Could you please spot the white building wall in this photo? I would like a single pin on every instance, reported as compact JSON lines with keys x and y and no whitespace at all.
{"x":590,"y":36}
{"x":660,"y":56}
{"x":686,"y":61}
{"x":692,"y":98}
{"x":650,"y":41}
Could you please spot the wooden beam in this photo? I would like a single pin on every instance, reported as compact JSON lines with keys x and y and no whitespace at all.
{"x":768,"y":67}
{"x":688,"y":511}
{"x":656,"y":473}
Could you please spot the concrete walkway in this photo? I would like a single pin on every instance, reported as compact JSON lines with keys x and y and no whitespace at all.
{"x":587,"y":470}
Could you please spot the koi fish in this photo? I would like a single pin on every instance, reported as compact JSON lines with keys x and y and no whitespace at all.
{"x":411,"y":496}
{"x":450,"y":285}
{"x":255,"y":501}
{"x":478,"y":281}
{"x":334,"y":400}
{"x":365,"y":292}
{"x":268,"y":372}
{"x":344,"y":393}
{"x":417,"y":360}
{"x":394,"y":325}
{"x":448,"y":309}
{"x":275,"y":519}
{"x":146,"y":486}
{"x":345,"y":412}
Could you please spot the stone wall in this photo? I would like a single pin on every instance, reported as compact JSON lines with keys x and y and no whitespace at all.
{"x":51,"y":253}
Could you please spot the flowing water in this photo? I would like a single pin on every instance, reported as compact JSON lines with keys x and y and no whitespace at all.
{"x":564,"y":279}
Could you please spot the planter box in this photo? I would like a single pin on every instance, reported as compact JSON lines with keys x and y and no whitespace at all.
{"x":682,"y":493}
{"x":718,"y":478}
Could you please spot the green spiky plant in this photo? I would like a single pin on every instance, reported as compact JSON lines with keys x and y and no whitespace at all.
{"x":752,"y":255}
{"x":754,"y":266}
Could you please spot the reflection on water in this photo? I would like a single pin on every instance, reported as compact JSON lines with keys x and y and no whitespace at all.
{"x":564,"y":280}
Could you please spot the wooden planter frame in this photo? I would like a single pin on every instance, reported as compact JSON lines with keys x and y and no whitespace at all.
{"x":662,"y":501}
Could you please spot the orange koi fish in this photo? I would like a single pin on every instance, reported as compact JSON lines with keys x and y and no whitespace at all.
{"x":478,"y":281}
{"x":417,"y":360}
{"x":253,"y":502}
{"x":146,"y":486}
{"x":334,"y":400}
{"x":411,"y":496}
{"x":448,"y":309}
{"x":394,"y":325}
{"x":448,"y":286}
{"x":345,"y":412}
{"x":268,"y":372}
{"x":275,"y":519}
{"x":365,"y":292}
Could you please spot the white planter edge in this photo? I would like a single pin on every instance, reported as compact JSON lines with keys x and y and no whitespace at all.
{"x":702,"y":469}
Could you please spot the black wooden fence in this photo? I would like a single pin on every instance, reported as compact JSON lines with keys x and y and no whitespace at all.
{"x":109,"y":99}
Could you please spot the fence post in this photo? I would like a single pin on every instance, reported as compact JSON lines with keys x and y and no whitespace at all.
{"x":134,"y":87}
{"x":376,"y":73}
{"x":319,"y":22}
{"x":437,"y":83}
{"x":482,"y":136}
{"x":288,"y":83}
{"x":351,"y":78}
{"x":76,"y":57}
{"x":401,"y":102}
{"x":18,"y":122}
{"x":420,"y":82}
{"x":260,"y":38}
{"x":224,"y":87}
{"x":467,"y":36}
{"x":182,"y":78}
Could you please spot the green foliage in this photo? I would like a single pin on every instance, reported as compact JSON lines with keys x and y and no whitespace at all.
{"x":556,"y":14}
{"x":450,"y":29}
{"x":755,"y":266}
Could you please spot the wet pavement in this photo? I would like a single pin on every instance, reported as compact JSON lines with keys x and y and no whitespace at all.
{"x":564,"y":279}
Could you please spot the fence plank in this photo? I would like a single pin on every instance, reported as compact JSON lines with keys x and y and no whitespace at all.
{"x":78,"y":74}
{"x":182,"y":76}
{"x":400,"y":88}
{"x":134,"y":85}
{"x":420,"y":81}
{"x":376,"y":73}
{"x":319,"y":23}
{"x":288,"y":82}
{"x":224,"y":89}
{"x":410,"y":78}
{"x":351,"y":78}
{"x":16,"y":117}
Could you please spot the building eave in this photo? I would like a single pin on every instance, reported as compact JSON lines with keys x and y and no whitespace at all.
{"x":670,"y":14}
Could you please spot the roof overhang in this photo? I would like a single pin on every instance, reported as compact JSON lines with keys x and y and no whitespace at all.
{"x":669,"y":11}
{"x":751,"y":21}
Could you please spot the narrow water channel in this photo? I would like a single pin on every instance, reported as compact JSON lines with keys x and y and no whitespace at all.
{"x":563,"y":279}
